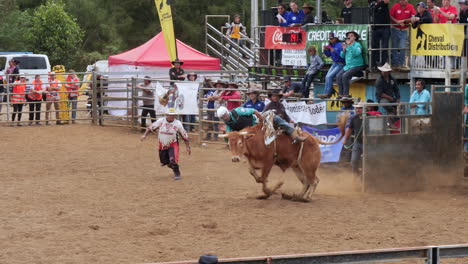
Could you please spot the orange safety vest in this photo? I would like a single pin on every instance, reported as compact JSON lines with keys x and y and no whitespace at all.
{"x":37,"y":87}
{"x":18,"y":93}
{"x":72,"y":86}
{"x":53,"y":95}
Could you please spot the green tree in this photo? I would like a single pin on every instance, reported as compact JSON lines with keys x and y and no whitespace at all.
{"x":14,"y":25}
{"x":55,"y":33}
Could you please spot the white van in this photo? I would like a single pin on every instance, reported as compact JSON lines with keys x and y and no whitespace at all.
{"x":28,"y":64}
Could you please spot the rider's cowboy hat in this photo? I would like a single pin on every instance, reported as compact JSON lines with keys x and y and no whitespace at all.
{"x":171,"y":111}
{"x":275,"y":92}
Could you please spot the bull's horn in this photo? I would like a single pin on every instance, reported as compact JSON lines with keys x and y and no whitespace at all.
{"x":223,"y":135}
{"x":243,"y":133}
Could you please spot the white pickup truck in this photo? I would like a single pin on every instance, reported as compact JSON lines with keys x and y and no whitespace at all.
{"x":29,"y":63}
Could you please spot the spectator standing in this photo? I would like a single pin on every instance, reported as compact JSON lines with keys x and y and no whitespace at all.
{"x":72,"y":87}
{"x":34,"y":97}
{"x":277,"y":106}
{"x":13,"y":69}
{"x":291,"y":88}
{"x":463,"y":17}
{"x":431,"y":7}
{"x":176,"y":72}
{"x":232,"y":97}
{"x":169,"y":130}
{"x":333,"y":50}
{"x":296,"y":16}
{"x":147,"y":91}
{"x":387,"y":90}
{"x":284,"y":14}
{"x":234,"y":32}
{"x":346,"y":11}
{"x":52,"y":98}
{"x":352,"y":53}
{"x":254,"y":102}
{"x":18,"y":98}
{"x":423,"y":15}
{"x":316,"y":63}
{"x":446,"y":14}
{"x":400,"y":13}
{"x":212,"y":96}
{"x":381,"y":34}
{"x":355,"y":128}
{"x":309,"y":18}
{"x":420,"y":95}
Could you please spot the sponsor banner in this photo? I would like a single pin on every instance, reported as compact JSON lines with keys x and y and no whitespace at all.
{"x":437,"y":40}
{"x":330,"y":153}
{"x":165,"y":18}
{"x":318,"y":36}
{"x":294,"y":57}
{"x":184,"y":99}
{"x":311,"y":114}
{"x":274,"y":38}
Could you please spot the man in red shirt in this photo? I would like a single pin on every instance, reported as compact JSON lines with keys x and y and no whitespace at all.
{"x":446,"y":14}
{"x":400,"y":14}
{"x":431,"y":7}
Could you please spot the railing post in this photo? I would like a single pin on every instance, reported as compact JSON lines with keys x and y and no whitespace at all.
{"x":8,"y":97}
{"x":133,"y":100}
{"x":94,"y":99}
{"x":200,"y":112}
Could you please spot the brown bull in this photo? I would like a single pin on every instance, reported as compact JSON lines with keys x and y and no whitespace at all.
{"x":303,"y":158}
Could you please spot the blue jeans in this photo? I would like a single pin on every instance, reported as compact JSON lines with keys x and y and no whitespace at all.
{"x":343,"y":78}
{"x":332,"y":72}
{"x":189,"y":119}
{"x":73,"y":105}
{"x":399,"y":40}
{"x":356,"y":158}
{"x":281,"y":123}
{"x":306,"y":82}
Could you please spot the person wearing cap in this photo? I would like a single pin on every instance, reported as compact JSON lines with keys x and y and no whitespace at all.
{"x":386,"y":88}
{"x":446,"y":14}
{"x":296,"y":16}
{"x":52,"y":98}
{"x":347,"y":11}
{"x":379,"y":14}
{"x":463,"y":17}
{"x":423,"y":16}
{"x":316,"y":63}
{"x":18,"y":98}
{"x":169,"y":130}
{"x":212,"y":96}
{"x":420,"y":95}
{"x":333,"y":51}
{"x":352,"y":54}
{"x":232,"y":97}
{"x":276,"y":106}
{"x":309,"y":18}
{"x":147,"y":92}
{"x":400,"y":14}
{"x":291,"y":88}
{"x":254,"y":101}
{"x":72,"y":87}
{"x":355,"y":128}
{"x":176,"y":73}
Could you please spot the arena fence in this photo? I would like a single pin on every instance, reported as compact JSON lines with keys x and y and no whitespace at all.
{"x":427,"y":255}
{"x":63,"y":109}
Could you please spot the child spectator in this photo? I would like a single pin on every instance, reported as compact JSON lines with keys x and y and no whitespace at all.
{"x":234,"y":32}
{"x":316,"y":63}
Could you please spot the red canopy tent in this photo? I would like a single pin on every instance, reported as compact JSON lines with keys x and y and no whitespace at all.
{"x":154,"y":54}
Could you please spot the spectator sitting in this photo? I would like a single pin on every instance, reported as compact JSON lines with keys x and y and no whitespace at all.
{"x":380,"y":34}
{"x":352,"y":53}
{"x":420,"y":95}
{"x":346,"y":11}
{"x":423,"y":15}
{"x":400,"y":13}
{"x":296,"y":16}
{"x":333,"y":50}
{"x":208,"y":259}
{"x":387,"y":90}
{"x":316,"y":63}
{"x":446,"y":14}
{"x":283,"y":13}
{"x":291,"y":88}
{"x":277,"y":106}
{"x":463,"y":17}
{"x":254,"y":101}
{"x":372,"y":110}
{"x":309,"y":18}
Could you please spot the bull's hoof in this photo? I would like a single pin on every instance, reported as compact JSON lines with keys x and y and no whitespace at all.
{"x":294,"y":198}
{"x":263,"y":197}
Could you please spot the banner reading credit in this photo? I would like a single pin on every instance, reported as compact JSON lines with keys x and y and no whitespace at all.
{"x":330,"y":153}
{"x":437,"y":40}
{"x":165,"y":18}
{"x":274,"y":38}
{"x":311,"y":114}
{"x":318,"y":36}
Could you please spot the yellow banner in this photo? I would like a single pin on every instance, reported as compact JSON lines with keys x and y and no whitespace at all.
{"x":437,"y":39}
{"x":165,"y":18}
{"x":357,"y":90}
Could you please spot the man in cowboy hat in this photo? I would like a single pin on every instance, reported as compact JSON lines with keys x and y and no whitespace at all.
{"x":147,"y":91}
{"x":169,"y":129}
{"x":176,"y":72}
{"x":241,"y":117}
{"x":386,"y":87}
{"x":254,"y":101}
{"x":309,"y":17}
{"x":347,"y":104}
{"x":276,"y":105}
{"x":355,"y":128}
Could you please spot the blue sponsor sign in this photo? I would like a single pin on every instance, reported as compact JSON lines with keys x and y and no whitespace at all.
{"x":330,"y":153}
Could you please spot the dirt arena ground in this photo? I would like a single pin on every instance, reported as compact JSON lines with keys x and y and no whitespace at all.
{"x":88,"y":194}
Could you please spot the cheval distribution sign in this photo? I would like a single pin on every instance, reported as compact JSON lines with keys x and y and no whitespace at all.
{"x":437,"y":40}
{"x":317,"y":36}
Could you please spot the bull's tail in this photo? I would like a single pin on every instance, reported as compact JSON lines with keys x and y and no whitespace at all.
{"x":342,"y":121}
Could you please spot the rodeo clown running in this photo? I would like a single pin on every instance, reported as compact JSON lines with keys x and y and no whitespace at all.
{"x":240,"y":118}
{"x":169,"y":129}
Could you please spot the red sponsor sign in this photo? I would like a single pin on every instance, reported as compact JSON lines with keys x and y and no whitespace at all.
{"x":274,"y":38}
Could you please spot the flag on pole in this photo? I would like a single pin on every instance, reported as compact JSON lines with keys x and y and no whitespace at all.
{"x":165,"y":17}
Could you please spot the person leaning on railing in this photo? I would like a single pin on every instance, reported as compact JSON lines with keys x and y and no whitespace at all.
{"x":446,"y":14}
{"x":423,"y":16}
{"x":296,"y":16}
{"x":53,"y":97}
{"x":34,"y":97}
{"x":72,"y":87}
{"x":420,"y":95}
{"x":400,"y":13}
{"x":18,"y":98}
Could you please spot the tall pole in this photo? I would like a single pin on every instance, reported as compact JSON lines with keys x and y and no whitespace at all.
{"x":263,"y":4}
{"x":254,"y":16}
{"x":319,"y":11}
